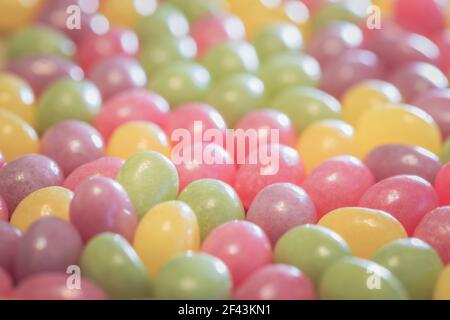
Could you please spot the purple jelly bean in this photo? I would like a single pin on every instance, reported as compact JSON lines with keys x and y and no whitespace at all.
{"x":9,"y":241}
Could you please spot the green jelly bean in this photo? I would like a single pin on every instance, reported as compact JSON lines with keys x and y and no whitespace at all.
{"x":196,"y":9}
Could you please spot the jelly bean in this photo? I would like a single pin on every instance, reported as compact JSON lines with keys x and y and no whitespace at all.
{"x":417,"y":78}
{"x":311,"y":248}
{"x":48,"y":201}
{"x":101,"y":204}
{"x":414,"y":263}
{"x":68,"y":100}
{"x":333,"y":12}
{"x":434,"y":229}
{"x":162,"y":51}
{"x":49,"y":245}
{"x":355,"y":278}
{"x":441,"y":184}
{"x":283,"y":164}
{"x":6,"y":283}
{"x":276,"y":38}
{"x":10,"y":238}
{"x":196,"y":9}
{"x":365,"y":230}
{"x":397,"y":159}
{"x":107,"y":167}
{"x":16,"y":13}
{"x":397,"y":124}
{"x":338,"y":182}
{"x":111,"y":262}
{"x":442,"y":289}
{"x":17,"y":138}
{"x":166,"y":230}
{"x":136,"y":136}
{"x":324,"y":140}
{"x":72,"y":144}
{"x":4,"y":214}
{"x":53,"y":286}
{"x":213,"y":202}
{"x":181,"y":82}
{"x":280,"y":207}
{"x":445,"y":155}
{"x":437,"y":104}
{"x":350,"y":68}
{"x":236,"y":96}
{"x":305,"y":106}
{"x":17,"y":97}
{"x":149,"y":178}
{"x":43,"y":70}
{"x":241,"y":245}
{"x":276,"y":282}
{"x":126,"y":12}
{"x":25,"y":175}
{"x":39,"y":39}
{"x":442,"y":40}
{"x":285,"y":70}
{"x":208,"y":278}
{"x":368,"y":95}
{"x":230,"y":58}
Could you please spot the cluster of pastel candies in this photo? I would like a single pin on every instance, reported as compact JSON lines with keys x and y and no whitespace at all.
{"x":93,"y":205}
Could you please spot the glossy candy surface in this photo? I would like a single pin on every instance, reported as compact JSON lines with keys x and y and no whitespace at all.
{"x":436,"y":103}
{"x":441,"y":184}
{"x":10,"y":238}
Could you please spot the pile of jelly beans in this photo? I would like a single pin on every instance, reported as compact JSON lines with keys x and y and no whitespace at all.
{"x":93,"y":204}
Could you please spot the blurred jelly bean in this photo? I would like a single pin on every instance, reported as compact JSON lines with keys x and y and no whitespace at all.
{"x":365,"y":230}
{"x":207,"y":276}
{"x":288,"y":69}
{"x":4,"y":213}
{"x":43,"y":70}
{"x":44,"y":202}
{"x":17,"y":13}
{"x":332,"y":12}
{"x":442,"y":289}
{"x":277,"y":38}
{"x":209,"y":31}
{"x":354,"y":278}
{"x":276,"y":282}
{"x":2,"y":160}
{"x":72,"y":144}
{"x":265,"y":166}
{"x":311,"y":248}
{"x":236,"y":95}
{"x":441,"y":184}
{"x":213,"y":202}
{"x":25,"y":175}
{"x":442,"y":40}
{"x":6,"y":283}
{"x":17,"y":138}
{"x":101,"y":204}
{"x":305,"y":106}
{"x":367,"y":95}
{"x":396,"y":159}
{"x":350,"y":68}
{"x":402,"y":124}
{"x":445,"y":155}
{"x":414,"y":263}
{"x":181,"y":82}
{"x":107,"y":167}
{"x":53,"y":286}
{"x":17,"y":97}
{"x":111,"y":262}
{"x":280,"y":207}
{"x":50,"y":244}
{"x":40,"y":39}
{"x":10,"y":238}
{"x":135,"y":136}
{"x":149,"y":178}
{"x":196,"y":9}
{"x":166,"y":230}
{"x":68,"y":100}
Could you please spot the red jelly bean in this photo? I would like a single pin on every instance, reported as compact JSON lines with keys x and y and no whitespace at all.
{"x":442,"y":185}
{"x":6,"y":283}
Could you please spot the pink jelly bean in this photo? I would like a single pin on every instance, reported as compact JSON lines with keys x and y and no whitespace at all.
{"x":437,"y":104}
{"x":442,"y":40}
{"x":53,"y":286}
{"x":280,"y":207}
{"x":265,"y":166}
{"x":131,"y":105}
{"x":435,"y":230}
{"x":442,"y":185}
{"x":408,"y":198}
{"x":4,"y":213}
{"x":338,"y":182}
{"x":276,"y":282}
{"x":107,"y":167}
{"x":6,"y":283}
{"x":9,"y":242}
{"x":241,"y":245}
{"x":101,"y":204}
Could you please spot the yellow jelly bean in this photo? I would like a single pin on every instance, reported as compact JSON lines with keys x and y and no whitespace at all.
{"x":166,"y":230}
{"x":126,"y":12}
{"x":442,"y":289}
{"x":50,"y":201}
{"x":136,"y":136}
{"x":386,"y":6}
{"x":17,"y":97}
{"x":368,"y":95}
{"x":364,"y":230}
{"x":397,"y":124}
{"x":17,"y":137}
{"x":16,"y":13}
{"x":324,"y":140}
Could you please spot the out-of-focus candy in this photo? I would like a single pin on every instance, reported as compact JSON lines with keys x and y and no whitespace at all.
{"x":17,"y":13}
{"x":4,"y":213}
{"x":334,"y":11}
{"x":6,"y":283}
{"x":126,"y":12}
{"x":196,"y":9}
{"x":10,"y":238}
{"x":445,"y":155}
{"x":442,"y":288}
{"x":441,"y":184}
{"x":442,"y":40}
